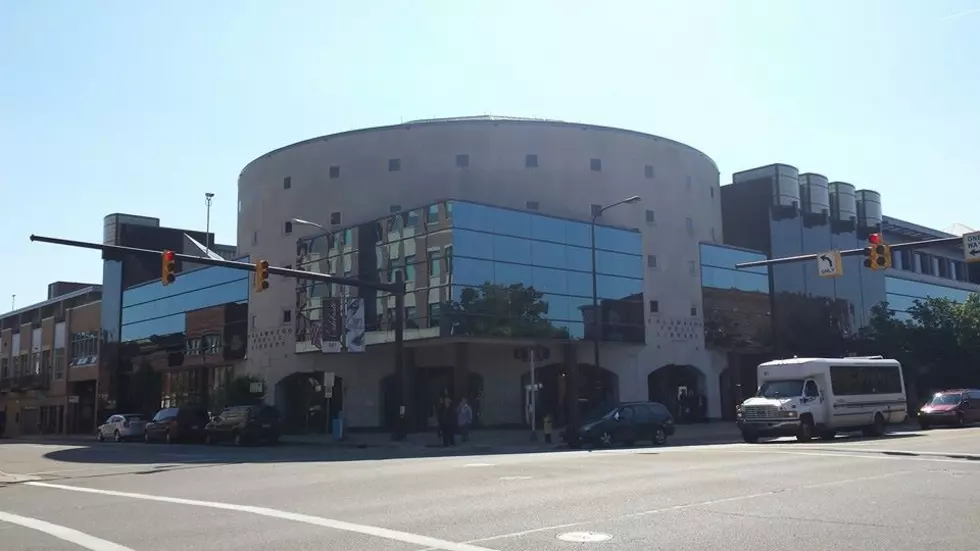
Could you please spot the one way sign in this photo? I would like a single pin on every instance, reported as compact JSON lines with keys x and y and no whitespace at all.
{"x":971,"y":246}
{"x":829,"y":264}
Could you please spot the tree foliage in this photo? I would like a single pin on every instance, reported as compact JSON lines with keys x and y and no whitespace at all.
{"x":492,"y":310}
{"x":938,"y":342}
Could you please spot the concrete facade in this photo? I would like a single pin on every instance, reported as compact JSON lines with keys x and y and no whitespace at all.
{"x":550,"y":167}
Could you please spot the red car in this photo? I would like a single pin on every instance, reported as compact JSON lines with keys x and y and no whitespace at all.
{"x":958,"y":407}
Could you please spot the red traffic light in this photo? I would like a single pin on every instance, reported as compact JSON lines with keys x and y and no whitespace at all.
{"x":168,"y":256}
{"x":874,"y":238}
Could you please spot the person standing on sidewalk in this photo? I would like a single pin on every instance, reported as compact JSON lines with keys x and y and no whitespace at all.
{"x":447,"y":418}
{"x":464,"y":418}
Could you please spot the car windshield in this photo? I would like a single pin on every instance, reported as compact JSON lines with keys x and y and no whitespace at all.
{"x":601,"y":414}
{"x":946,"y":399}
{"x":780,"y":389}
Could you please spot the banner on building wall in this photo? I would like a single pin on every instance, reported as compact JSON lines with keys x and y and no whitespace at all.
{"x":354,"y":324}
{"x":332,"y":326}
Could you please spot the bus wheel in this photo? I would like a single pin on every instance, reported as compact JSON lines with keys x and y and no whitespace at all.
{"x":876,"y":430}
{"x":805,"y":432}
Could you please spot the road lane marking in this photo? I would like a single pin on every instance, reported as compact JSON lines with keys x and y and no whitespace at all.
{"x":516,"y":478}
{"x":678,"y":507}
{"x":63,"y":533}
{"x":384,"y":533}
{"x":874,"y":456}
{"x":479,"y":465}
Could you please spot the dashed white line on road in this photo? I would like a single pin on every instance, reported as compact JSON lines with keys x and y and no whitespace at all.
{"x":515,"y":478}
{"x":384,"y":533}
{"x":63,"y":533}
{"x":479,"y":465}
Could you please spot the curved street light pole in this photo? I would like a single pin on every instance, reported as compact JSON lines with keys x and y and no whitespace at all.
{"x":596,"y":314}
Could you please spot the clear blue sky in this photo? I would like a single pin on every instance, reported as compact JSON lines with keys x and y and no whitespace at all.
{"x":141,"y":107}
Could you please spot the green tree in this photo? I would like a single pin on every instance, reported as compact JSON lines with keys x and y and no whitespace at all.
{"x":492,"y":310}
{"x":237,"y":392}
{"x":936,"y":342}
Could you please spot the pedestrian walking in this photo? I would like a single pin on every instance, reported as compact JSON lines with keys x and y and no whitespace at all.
{"x":464,"y":419}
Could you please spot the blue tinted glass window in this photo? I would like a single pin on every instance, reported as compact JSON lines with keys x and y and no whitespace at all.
{"x":551,"y":281}
{"x":511,"y":249}
{"x":921,"y":290}
{"x":619,"y":288}
{"x":511,"y":222}
{"x":470,"y":271}
{"x":724,"y":257}
{"x":580,"y":284}
{"x":618,"y":264}
{"x":167,"y":325}
{"x":188,"y":281}
{"x":512,"y":274}
{"x":900,"y":303}
{"x":472,"y":244}
{"x":577,"y":306}
{"x":551,"y":255}
{"x":193,"y":300}
{"x":719,"y":278}
{"x":612,"y":239}
{"x":557,"y":307}
{"x":577,"y":233}
{"x":579,"y":258}
{"x":545,"y":228}
{"x":472,"y":216}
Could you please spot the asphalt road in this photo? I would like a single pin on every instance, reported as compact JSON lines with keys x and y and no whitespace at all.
{"x":909,"y":491}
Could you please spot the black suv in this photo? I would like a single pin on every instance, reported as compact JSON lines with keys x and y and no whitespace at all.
{"x":626,"y":423}
{"x":245,"y":424}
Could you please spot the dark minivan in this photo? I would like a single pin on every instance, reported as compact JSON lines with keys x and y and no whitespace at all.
{"x":626,"y":423}
{"x":181,"y":424}
{"x":244,"y":425}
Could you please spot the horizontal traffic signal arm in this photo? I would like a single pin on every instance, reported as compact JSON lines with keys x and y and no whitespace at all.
{"x":116,"y":252}
{"x":853,"y":252}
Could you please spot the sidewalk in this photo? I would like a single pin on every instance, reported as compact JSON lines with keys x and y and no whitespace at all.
{"x":507,"y":440}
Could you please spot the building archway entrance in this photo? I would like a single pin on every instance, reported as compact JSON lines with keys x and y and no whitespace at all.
{"x":429,"y":384}
{"x":301,"y":399}
{"x":597,"y":388}
{"x":682,"y":388}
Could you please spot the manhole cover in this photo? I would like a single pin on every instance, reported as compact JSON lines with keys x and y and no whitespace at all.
{"x":584,"y":537}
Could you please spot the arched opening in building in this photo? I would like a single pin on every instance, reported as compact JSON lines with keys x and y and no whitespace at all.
{"x":303,"y":402}
{"x":682,"y":388}
{"x":597,"y":388}
{"x":429,"y":384}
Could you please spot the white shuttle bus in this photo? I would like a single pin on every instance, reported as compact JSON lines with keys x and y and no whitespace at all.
{"x":808,"y":397}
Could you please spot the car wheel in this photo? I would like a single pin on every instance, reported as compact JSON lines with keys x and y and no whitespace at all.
{"x":828,"y":435}
{"x":117,"y":437}
{"x":606,"y":439}
{"x":659,"y":436}
{"x":99,"y":436}
{"x":924,"y":425}
{"x":805,"y":432}
{"x":750,"y":437}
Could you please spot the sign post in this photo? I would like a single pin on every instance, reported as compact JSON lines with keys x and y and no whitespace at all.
{"x":971,"y":246}
{"x":829,"y":264}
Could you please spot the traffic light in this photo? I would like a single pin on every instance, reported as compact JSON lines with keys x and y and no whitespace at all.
{"x":261,"y":276}
{"x":878,"y":255}
{"x":168,"y":268}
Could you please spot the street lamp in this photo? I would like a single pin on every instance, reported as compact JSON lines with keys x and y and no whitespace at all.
{"x":596,"y":315}
{"x":208,"y":197}
{"x":302,"y":222}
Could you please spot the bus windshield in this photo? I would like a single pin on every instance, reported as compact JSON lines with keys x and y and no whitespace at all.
{"x":781,"y":389}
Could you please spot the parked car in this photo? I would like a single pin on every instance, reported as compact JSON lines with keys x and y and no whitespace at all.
{"x":181,"y":424}
{"x":245,"y":424}
{"x":951,"y":407}
{"x":626,"y":423}
{"x":122,"y":427}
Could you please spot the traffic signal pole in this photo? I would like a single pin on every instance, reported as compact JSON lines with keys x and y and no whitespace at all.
{"x":117,"y":252}
{"x":852,"y":252}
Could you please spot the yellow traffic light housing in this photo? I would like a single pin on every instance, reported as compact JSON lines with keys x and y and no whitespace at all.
{"x":877,"y":255}
{"x":261,"y":276}
{"x":168,"y":268}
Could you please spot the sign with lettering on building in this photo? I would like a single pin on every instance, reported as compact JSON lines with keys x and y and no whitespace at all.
{"x":971,"y":246}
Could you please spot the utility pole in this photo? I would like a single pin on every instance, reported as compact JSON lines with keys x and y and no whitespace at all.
{"x":208,"y":197}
